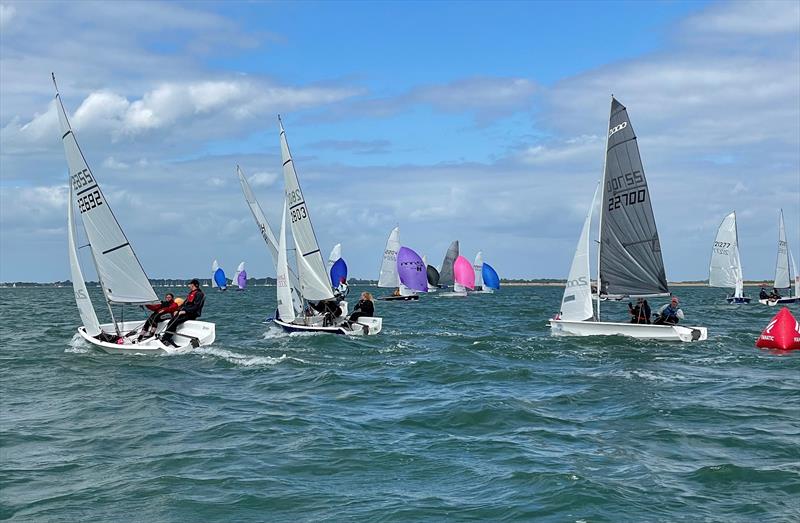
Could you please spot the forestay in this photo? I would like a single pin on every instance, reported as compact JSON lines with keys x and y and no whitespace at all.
{"x":121,"y":275}
{"x":85,"y":307}
{"x":630,"y":252}
{"x":388,"y":275}
{"x":446,"y":272}
{"x":315,"y":282}
{"x":725,"y":269}
{"x":576,"y":303}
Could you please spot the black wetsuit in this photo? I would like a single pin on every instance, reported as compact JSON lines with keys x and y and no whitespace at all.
{"x":363,"y":308}
{"x":640,"y":313}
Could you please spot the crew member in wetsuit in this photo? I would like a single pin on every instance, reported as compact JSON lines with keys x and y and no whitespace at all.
{"x":161,"y":312}
{"x":669,"y":314}
{"x":774,"y":295}
{"x":641,"y":312}
{"x":763,"y":294}
{"x":364,"y":307}
{"x":190,"y":310}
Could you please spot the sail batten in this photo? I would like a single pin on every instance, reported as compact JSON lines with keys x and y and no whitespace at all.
{"x":630,"y":261}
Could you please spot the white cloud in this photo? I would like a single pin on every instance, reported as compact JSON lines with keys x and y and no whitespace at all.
{"x":263,"y":179}
{"x":759,"y":18}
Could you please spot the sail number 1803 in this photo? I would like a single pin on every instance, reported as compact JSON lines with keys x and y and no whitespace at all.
{"x":299,"y":214}
{"x":627,"y":198}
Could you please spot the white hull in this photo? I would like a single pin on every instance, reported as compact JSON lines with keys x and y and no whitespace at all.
{"x":365,"y":326}
{"x":483,"y":291}
{"x":633,"y":330}
{"x":780,"y":301}
{"x":453,"y":294}
{"x":204,"y":331}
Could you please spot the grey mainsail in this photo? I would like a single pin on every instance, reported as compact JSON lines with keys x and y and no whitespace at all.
{"x":446,"y":272}
{"x":630,"y":252}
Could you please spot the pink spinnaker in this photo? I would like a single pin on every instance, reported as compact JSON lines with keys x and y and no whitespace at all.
{"x":464,"y":273}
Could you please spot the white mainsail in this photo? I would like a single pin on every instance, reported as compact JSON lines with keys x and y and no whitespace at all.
{"x":478,"y":266}
{"x":235,"y":280}
{"x":576,"y":303}
{"x":85,"y":307}
{"x":336,"y":253}
{"x":284,"y":282}
{"x":782,"y":276}
{"x":725,"y":269}
{"x":214,"y":267}
{"x":268,"y":236}
{"x":121,"y":275}
{"x":315,"y":282}
{"x":389,"y":276}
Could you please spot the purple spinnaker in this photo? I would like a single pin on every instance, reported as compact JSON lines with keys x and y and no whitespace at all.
{"x":242,"y":280}
{"x":412,"y":271}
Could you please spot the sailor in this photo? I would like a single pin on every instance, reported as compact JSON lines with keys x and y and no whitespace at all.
{"x":342,"y":289}
{"x":190,"y":310}
{"x":763,"y":294}
{"x":364,"y":307}
{"x":641,"y":312}
{"x":161,"y":312}
{"x":774,"y":295}
{"x":670,"y":313}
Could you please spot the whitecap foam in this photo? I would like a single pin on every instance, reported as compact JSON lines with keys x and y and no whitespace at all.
{"x":244,"y":360}
{"x":77,"y":345}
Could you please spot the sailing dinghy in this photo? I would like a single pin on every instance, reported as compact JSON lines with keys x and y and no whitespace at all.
{"x":121,"y":276}
{"x":433,"y":275}
{"x":725,"y":269}
{"x":629,"y":257}
{"x":313,"y":278}
{"x":463,"y":278}
{"x":481,"y":286}
{"x":784,"y":268}
{"x":446,"y":276}
{"x":240,"y":278}
{"x":389,"y":277}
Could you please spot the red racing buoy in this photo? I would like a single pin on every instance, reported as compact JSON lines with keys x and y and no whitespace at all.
{"x":782,"y":332}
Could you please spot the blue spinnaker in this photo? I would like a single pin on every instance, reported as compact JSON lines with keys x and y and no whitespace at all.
{"x":220,"y":279}
{"x":490,"y":278}
{"x":338,"y":271}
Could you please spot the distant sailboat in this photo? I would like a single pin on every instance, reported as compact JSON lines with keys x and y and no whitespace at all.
{"x":629,"y":258}
{"x":725,"y":269}
{"x":314,"y":279}
{"x":122,"y":278}
{"x":784,"y":268}
{"x":433,"y":276}
{"x":446,"y":272}
{"x":463,"y":276}
{"x":218,"y":278}
{"x":240,"y":278}
{"x":481,"y":268}
{"x":337,"y":267}
{"x":389,"y":277}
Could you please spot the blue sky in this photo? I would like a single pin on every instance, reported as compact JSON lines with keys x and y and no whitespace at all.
{"x":481,"y":122}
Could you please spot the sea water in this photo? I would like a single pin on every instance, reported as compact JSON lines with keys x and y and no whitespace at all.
{"x":461,"y":409}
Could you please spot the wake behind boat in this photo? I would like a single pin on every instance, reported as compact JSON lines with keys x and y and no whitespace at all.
{"x":629,"y":257}
{"x":119,"y":271}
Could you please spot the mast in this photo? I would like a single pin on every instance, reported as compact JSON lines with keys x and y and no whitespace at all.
{"x":600,"y":213}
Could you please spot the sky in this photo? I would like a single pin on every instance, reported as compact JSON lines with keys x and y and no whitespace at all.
{"x":477,"y":121}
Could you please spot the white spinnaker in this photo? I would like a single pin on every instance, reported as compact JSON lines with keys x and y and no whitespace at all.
{"x":724,"y":270}
{"x":284,"y":283}
{"x":336,"y":253}
{"x":121,"y":275}
{"x":782,"y":279}
{"x":315,"y":282}
{"x":478,"y":266}
{"x":268,"y":236}
{"x":576,"y":304}
{"x":214,"y":267}
{"x":389,"y":276}
{"x":85,"y":307}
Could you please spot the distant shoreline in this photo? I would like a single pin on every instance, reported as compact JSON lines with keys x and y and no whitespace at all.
{"x":260,"y":283}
